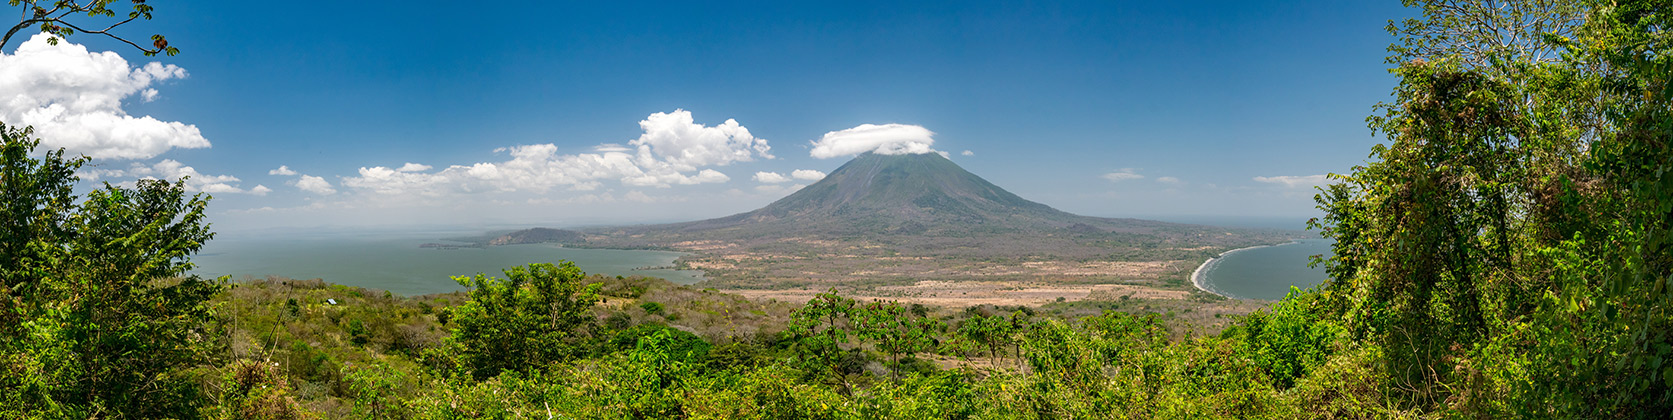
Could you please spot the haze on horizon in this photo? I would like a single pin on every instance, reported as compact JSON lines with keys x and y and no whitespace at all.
{"x":602,"y":114}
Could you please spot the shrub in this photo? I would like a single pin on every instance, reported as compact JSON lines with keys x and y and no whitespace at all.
{"x":652,"y":308}
{"x":523,"y":322}
{"x":1288,"y":340}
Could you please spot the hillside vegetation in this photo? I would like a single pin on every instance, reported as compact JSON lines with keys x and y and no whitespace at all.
{"x":1505,"y":254}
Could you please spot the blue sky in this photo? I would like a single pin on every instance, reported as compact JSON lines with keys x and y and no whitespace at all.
{"x":1189,"y":108}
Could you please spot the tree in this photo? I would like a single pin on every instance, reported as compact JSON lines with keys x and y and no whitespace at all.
{"x":1508,"y":248}
{"x":1441,"y":199}
{"x":991,"y":332}
{"x":37,"y":203}
{"x":97,"y":315}
{"x":524,"y":322}
{"x":1488,"y":34}
{"x":822,"y":327}
{"x":63,"y":18}
{"x":897,"y":330}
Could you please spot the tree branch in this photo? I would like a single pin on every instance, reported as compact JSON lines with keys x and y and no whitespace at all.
{"x":63,"y":10}
{"x":112,"y":26}
{"x":26,"y":23}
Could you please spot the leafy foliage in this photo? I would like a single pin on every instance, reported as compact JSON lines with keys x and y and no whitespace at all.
{"x":1508,"y":251}
{"x":96,"y":318}
{"x":1289,"y":340}
{"x":526,"y":321}
{"x":652,"y":308}
{"x":992,"y":332}
{"x":896,"y":331}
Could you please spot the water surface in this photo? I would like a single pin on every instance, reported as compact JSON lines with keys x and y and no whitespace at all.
{"x":397,"y":264}
{"x":1266,"y":272}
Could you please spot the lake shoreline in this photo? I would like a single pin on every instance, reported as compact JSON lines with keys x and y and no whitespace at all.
{"x":1198,"y":278}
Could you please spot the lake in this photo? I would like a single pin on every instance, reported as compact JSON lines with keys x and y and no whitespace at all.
{"x":1265,"y":272}
{"x":396,"y":262}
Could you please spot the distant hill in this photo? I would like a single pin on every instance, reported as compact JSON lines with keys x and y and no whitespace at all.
{"x":536,"y":235}
{"x":907,"y":206}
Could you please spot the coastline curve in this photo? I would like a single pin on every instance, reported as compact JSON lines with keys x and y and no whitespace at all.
{"x":1199,"y":276}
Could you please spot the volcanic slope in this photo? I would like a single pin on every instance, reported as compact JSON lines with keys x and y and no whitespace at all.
{"x":889,"y":219}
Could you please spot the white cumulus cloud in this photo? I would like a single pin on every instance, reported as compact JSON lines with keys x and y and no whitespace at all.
{"x":672,"y":151}
{"x":967,"y":153}
{"x":770,"y":177}
{"x":313,"y":184}
{"x":675,"y":139}
{"x":1125,"y":174}
{"x":413,"y":167}
{"x":172,"y":170}
{"x":283,"y":170}
{"x":382,"y":180}
{"x":1168,"y":180}
{"x":807,"y":175}
{"x":710,"y":176}
{"x":887,"y":139}
{"x":73,"y":98}
{"x":1289,"y":181}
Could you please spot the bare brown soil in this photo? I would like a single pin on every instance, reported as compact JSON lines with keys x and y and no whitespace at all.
{"x":958,"y":294}
{"x":797,"y":263}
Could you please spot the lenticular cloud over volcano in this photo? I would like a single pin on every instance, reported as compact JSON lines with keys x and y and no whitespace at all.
{"x":886,"y":139}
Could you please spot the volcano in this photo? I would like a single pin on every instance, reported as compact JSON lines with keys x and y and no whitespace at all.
{"x":912,"y":194}
{"x":908,"y":200}
{"x":911,"y":217}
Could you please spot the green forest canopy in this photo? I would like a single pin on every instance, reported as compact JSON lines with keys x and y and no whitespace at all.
{"x":1505,"y":253}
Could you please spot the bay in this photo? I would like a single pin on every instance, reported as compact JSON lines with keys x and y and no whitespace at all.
{"x":396,"y":262}
{"x":1264,"y":272}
